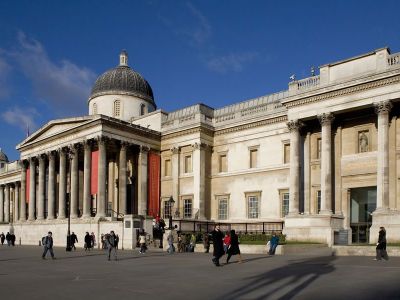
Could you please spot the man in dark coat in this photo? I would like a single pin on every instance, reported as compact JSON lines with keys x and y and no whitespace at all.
{"x":8,"y":239}
{"x":48,"y":245}
{"x":234,"y":247}
{"x":112,"y":242}
{"x":217,"y":237}
{"x":381,"y":245}
{"x":88,"y":242}
{"x":2,"y":238}
{"x":73,"y":240}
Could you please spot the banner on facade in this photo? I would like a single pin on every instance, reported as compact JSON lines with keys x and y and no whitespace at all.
{"x":153,"y":184}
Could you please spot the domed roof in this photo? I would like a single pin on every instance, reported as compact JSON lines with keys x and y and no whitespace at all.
{"x":122,"y":80}
{"x":3,"y":156}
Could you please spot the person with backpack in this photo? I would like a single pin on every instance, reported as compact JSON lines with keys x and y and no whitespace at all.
{"x":47,"y":242}
{"x":112,"y":241}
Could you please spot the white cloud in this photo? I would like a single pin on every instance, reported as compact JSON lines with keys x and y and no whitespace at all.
{"x":4,"y":71}
{"x":22,"y":118}
{"x":203,"y":29}
{"x":231,"y":62}
{"x":63,"y":85}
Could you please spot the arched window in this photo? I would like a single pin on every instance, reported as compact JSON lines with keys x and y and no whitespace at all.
{"x":117,"y":108}
{"x":142,"y":109}
{"x":94,"y":108}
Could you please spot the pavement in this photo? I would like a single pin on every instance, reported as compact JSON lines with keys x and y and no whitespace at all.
{"x":158,"y":275}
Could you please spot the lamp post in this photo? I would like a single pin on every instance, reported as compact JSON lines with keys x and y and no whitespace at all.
{"x":171,"y":204}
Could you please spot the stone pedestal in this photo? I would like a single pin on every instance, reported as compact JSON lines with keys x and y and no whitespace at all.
{"x":312,"y":228}
{"x":390,"y":219}
{"x":132,"y":224}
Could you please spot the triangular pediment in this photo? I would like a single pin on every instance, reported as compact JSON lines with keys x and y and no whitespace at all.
{"x":56,"y":127}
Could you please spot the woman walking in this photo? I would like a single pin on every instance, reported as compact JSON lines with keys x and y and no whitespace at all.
{"x":234,"y":247}
{"x":381,"y":245}
{"x":218,"y":251}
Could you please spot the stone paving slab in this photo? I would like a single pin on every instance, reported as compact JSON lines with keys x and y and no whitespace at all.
{"x":157,"y":275}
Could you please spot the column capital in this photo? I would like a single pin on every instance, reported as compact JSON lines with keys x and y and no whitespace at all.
{"x":199,"y":146}
{"x":51,"y":154}
{"x":294,"y":125}
{"x":23,"y":163}
{"x":101,"y":140}
{"x":326,"y":118}
{"x":383,"y":107}
{"x":124,"y":145}
{"x":144,"y":149}
{"x":175,"y":150}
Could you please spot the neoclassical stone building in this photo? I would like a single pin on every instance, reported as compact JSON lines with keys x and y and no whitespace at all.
{"x":321,"y":157}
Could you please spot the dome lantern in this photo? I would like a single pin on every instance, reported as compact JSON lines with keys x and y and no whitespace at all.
{"x":123,"y":58}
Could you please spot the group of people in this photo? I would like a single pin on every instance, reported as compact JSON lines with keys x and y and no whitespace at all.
{"x":9,"y":238}
{"x":228,"y":244}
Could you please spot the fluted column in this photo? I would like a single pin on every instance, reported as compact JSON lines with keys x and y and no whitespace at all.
{"x":122,"y":178}
{"x":22,"y":205}
{"x":1,"y":203}
{"x":32,"y":189}
{"x":87,"y":179}
{"x":294,"y":188}
{"x":7,"y":204}
{"x":382,"y":202}
{"x":102,"y":170}
{"x":51,"y":201}
{"x":62,"y":189}
{"x":199,"y":180}
{"x":175,"y":174}
{"x":326,"y":120}
{"x":41,"y":187}
{"x":16,"y":201}
{"x":74,"y":155}
{"x":142,"y":180}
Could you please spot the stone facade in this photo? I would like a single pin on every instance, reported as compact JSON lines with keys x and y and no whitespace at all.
{"x":320,"y":157}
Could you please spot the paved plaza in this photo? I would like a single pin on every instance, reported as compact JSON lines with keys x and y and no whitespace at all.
{"x":157,"y":275}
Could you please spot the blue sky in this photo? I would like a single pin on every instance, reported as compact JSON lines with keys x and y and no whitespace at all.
{"x":214,"y":52}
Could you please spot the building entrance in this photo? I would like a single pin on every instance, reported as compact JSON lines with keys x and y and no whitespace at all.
{"x":362,"y":204}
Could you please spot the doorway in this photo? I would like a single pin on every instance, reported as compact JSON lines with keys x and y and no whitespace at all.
{"x":362,"y":205}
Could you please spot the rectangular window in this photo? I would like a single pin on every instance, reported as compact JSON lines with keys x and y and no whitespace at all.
{"x":286,"y":153}
{"x":319,"y":148}
{"x":252,"y":207}
{"x":167,"y":209}
{"x":318,"y":201}
{"x":253,"y":158}
{"x":167,"y":167}
{"x":285,"y":204}
{"x":223,"y":163}
{"x":223,"y":208}
{"x":187,"y":208}
{"x":188,"y":164}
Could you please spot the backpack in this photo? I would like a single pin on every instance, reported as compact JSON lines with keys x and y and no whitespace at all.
{"x":43,"y":240}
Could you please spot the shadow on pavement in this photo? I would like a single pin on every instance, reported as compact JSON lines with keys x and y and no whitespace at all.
{"x":290,"y":280}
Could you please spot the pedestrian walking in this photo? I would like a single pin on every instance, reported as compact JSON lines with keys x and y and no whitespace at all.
{"x":218,"y":251}
{"x":2,"y":238}
{"x":234,"y":247}
{"x":8,"y":239}
{"x":112,"y":243}
{"x":73,"y":240}
{"x":12,"y":239}
{"x":170,"y":239}
{"x":47,"y":242}
{"x":142,"y":242}
{"x":381,"y":245}
{"x":88,"y":242}
{"x":116,"y":246}
{"x":206,"y":242}
{"x":93,"y":240}
{"x":192,"y":243}
{"x":227,"y":242}
{"x":273,"y":243}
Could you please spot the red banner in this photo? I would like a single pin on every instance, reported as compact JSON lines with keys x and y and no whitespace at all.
{"x":94,"y":172}
{"x":28,"y":181}
{"x":153,"y":167}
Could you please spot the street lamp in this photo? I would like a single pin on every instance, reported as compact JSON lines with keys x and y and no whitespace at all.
{"x":171,"y":204}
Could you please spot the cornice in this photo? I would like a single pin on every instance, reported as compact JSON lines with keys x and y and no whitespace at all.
{"x":344,"y":91}
{"x":187,"y":132}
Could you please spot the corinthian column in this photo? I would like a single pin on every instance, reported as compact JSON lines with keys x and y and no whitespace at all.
{"x":87,"y":179}
{"x":142,"y":180}
{"x":294,"y":188}
{"x":74,"y":155}
{"x":62,"y":189}
{"x":1,"y":203}
{"x":122,"y":178}
{"x":326,"y":156}
{"x":16,"y":202}
{"x":32,"y":189}
{"x":22,"y":206}
{"x":199,"y":179}
{"x":382,"y":202}
{"x":102,"y":170}
{"x":51,"y":203}
{"x":7,"y":204}
{"x":42,"y":185}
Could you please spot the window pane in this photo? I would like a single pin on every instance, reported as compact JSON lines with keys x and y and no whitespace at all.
{"x":223,"y":209}
{"x":167,"y":209}
{"x":187,"y":208}
{"x":285,"y":204}
{"x":253,"y":207}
